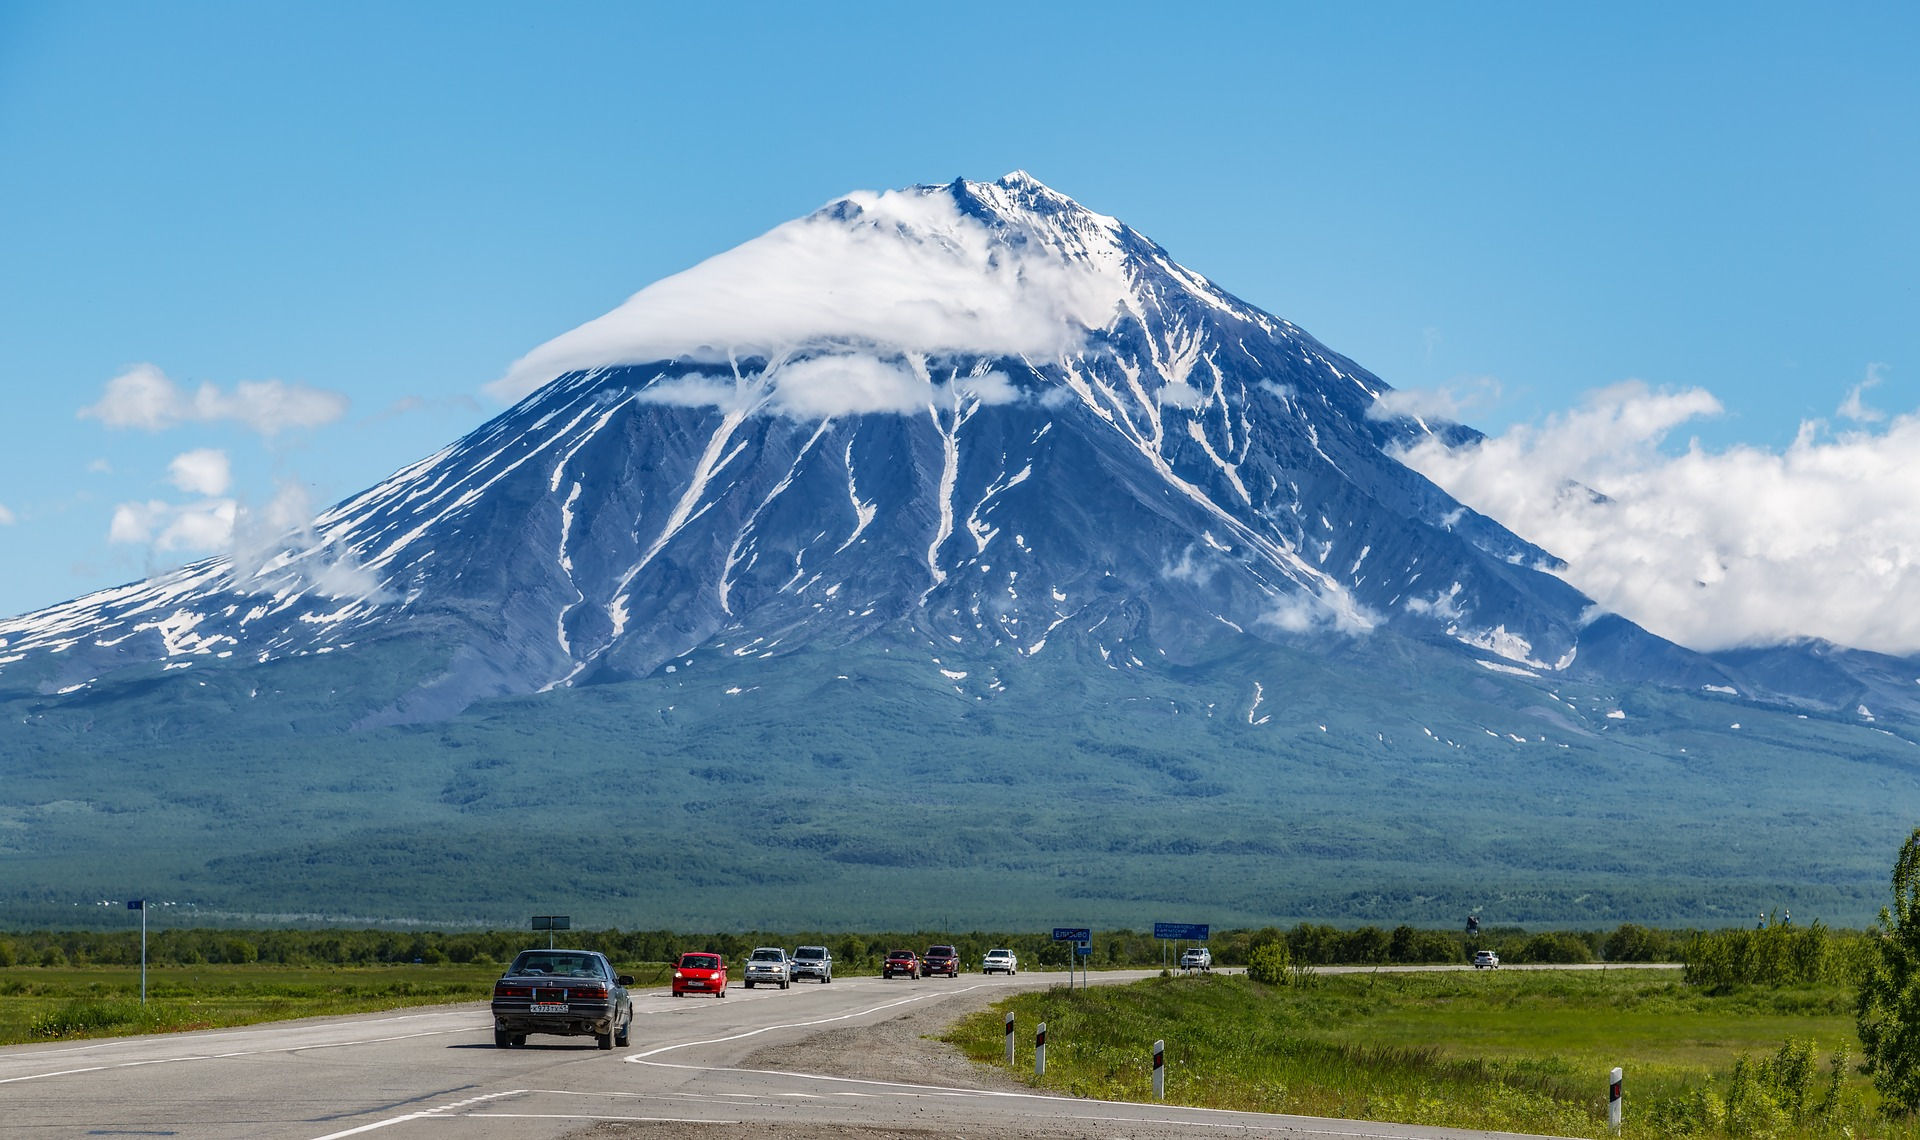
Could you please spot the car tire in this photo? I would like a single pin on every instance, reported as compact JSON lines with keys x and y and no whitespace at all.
{"x":519,"y":1039}
{"x":749,"y":985}
{"x":502,"y":1039}
{"x":827,"y":981}
{"x":783,"y":984}
{"x":624,"y":1035}
{"x":605,"y":1040}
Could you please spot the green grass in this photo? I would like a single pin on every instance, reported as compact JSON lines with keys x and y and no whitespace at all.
{"x":53,"y":1003}
{"x":1513,"y":1051}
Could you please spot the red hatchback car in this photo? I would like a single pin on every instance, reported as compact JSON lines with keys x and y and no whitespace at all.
{"x":700,"y":973}
{"x":900,"y":962}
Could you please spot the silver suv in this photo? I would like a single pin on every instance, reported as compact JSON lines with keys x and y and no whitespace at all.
{"x":812,"y":962}
{"x":1198,"y":958}
{"x":767,"y":964}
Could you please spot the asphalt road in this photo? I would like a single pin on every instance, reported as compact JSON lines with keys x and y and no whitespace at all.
{"x":696,"y":1066}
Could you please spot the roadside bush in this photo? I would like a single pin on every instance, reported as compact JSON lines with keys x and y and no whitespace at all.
{"x":1634,"y":943}
{"x":1554,"y":947}
{"x":1269,"y":962}
{"x":1719,"y":960}
{"x":1422,"y":946}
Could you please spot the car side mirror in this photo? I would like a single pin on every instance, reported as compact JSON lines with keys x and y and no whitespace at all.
{"x":624,"y":979}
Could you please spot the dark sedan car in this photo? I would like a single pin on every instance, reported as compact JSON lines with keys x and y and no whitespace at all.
{"x":567,"y":993}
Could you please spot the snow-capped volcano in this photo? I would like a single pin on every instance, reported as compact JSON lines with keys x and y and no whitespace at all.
{"x":977,"y":414}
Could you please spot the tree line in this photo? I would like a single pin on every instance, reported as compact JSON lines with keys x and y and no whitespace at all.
{"x":1308,"y":944}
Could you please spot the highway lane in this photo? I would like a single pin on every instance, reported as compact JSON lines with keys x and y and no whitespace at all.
{"x":436,"y":1073}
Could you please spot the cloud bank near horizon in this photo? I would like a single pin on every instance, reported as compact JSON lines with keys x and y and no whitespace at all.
{"x":894,"y":272}
{"x":1712,"y":549}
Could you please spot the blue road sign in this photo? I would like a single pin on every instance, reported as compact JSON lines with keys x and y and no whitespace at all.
{"x":1182,"y":931}
{"x":1083,"y":948}
{"x":1072,"y":934}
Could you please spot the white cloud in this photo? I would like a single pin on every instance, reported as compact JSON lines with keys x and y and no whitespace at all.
{"x":1854,"y":407}
{"x":1745,"y":546}
{"x":190,"y":528}
{"x":1306,"y":614}
{"x":7,"y":517}
{"x":1449,"y":404}
{"x":275,"y":545}
{"x":143,"y":397}
{"x":900,"y":271}
{"x":203,"y":471}
{"x":1181,"y":396}
{"x":815,"y":387}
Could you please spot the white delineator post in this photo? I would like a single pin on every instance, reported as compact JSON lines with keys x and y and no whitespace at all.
{"x":1009,"y":1039}
{"x":1159,"y":1070}
{"x":1040,"y":1050}
{"x":1613,"y":1101}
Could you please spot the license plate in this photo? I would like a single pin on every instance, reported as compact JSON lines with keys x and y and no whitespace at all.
{"x":547,"y":1007}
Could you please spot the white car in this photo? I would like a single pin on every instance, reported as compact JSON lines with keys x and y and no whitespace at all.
{"x":769,"y":965}
{"x":1198,"y":958}
{"x":1001,"y":960}
{"x":1486,"y":960}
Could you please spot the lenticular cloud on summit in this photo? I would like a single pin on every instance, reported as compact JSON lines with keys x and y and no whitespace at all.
{"x":903,"y":271}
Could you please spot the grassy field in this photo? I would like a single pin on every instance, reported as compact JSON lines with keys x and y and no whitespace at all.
{"x":40,"y":1003}
{"x":1510,"y":1051}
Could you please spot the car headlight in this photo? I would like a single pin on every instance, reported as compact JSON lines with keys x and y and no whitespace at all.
{"x":678,"y":974}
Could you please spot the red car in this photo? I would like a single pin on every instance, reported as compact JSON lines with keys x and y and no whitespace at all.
{"x":900,"y":962}
{"x":700,"y":973}
{"x":940,"y":960}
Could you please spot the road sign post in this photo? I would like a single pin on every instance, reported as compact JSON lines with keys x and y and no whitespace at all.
{"x":1009,"y":1039}
{"x":1082,"y":939}
{"x":1613,"y":1101}
{"x":1040,"y":1051}
{"x":1159,"y":1070}
{"x":551,"y":923}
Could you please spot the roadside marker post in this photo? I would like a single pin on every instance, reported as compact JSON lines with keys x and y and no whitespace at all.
{"x":1009,"y":1039}
{"x":1040,"y":1050}
{"x":1159,"y":1070}
{"x":1613,"y":1101}
{"x":141,"y":906}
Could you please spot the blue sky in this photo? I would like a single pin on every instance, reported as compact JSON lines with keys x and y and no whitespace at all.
{"x":382,"y":206}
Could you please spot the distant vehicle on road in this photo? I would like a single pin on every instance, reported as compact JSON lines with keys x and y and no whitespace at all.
{"x":940,"y":960}
{"x":566,"y":993}
{"x":900,"y":962}
{"x":1002,"y":960}
{"x":812,"y":962}
{"x":767,"y":965}
{"x":700,"y":973}
{"x":1198,"y":958}
{"x":1486,"y":960}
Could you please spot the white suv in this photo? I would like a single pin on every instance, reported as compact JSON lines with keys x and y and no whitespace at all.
{"x":812,"y":962}
{"x":1486,"y":960}
{"x":1001,"y":960}
{"x":767,"y":964}
{"x":1198,"y":958}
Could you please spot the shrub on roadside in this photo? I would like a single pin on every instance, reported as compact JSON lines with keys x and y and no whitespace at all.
{"x":1269,"y":962}
{"x":1554,"y":947}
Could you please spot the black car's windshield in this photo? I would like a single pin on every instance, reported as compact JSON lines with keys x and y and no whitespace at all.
{"x":556,"y":965}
